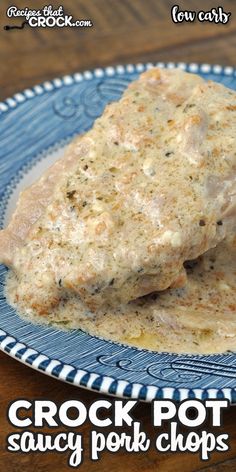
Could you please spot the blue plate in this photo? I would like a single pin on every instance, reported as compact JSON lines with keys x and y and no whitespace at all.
{"x":35,"y":125}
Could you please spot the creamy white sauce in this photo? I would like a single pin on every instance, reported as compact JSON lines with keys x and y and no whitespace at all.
{"x":200,"y":318}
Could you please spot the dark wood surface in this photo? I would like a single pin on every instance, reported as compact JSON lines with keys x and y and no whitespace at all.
{"x":124,"y":31}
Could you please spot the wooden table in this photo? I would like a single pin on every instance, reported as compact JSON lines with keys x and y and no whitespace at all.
{"x":124,"y":31}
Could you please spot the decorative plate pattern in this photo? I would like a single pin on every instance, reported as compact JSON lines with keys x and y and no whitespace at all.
{"x":35,"y":125}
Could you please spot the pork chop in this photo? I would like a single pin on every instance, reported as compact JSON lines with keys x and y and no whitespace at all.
{"x":153,"y":184}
